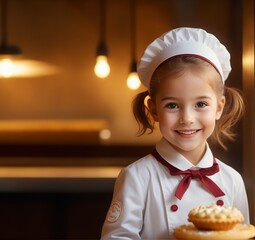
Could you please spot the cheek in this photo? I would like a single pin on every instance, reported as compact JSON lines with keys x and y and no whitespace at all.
{"x":208,"y":120}
{"x":166,"y":119}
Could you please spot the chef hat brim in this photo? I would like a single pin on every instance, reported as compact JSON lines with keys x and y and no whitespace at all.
{"x":184,"y":42}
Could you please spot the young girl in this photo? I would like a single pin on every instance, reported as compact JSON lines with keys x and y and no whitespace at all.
{"x":184,"y":71}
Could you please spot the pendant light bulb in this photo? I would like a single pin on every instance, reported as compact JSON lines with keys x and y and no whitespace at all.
{"x":102,"y":68}
{"x":133,"y":81}
{"x":12,"y":63}
{"x":8,"y":55}
{"x":7,"y":68}
{"x":7,"y":52}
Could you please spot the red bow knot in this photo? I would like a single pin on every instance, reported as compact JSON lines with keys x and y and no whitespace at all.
{"x":195,"y":174}
{"x":200,"y":174}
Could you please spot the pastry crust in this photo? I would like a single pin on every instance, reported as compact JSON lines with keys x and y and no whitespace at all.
{"x":213,"y":217}
{"x":190,"y":232}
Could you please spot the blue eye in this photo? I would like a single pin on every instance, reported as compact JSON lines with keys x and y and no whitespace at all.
{"x":201,"y":104}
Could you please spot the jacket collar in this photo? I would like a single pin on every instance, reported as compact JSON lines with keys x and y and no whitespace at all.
{"x":165,"y":149}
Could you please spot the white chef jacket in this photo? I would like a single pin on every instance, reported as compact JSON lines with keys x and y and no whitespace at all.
{"x":144,"y":205}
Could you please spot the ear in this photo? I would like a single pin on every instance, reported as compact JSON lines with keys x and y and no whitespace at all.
{"x":220,"y":107}
{"x":153,"y":109}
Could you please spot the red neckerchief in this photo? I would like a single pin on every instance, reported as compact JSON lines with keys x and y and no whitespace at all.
{"x":201,"y":174}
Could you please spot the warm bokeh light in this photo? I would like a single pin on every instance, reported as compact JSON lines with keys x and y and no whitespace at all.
{"x":102,"y":68}
{"x":105,"y":134}
{"x":25,"y":68}
{"x":248,"y":59}
{"x":133,"y":81}
{"x":7,"y":68}
{"x":59,"y":172}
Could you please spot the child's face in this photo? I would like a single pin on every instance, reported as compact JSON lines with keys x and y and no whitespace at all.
{"x":186,"y":107}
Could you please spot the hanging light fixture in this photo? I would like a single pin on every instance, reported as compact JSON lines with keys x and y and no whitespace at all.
{"x":102,"y":68}
{"x":11,"y":62}
{"x":7,"y":52}
{"x":133,"y":81}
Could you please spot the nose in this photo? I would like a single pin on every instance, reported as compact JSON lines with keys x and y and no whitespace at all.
{"x":187,"y":116}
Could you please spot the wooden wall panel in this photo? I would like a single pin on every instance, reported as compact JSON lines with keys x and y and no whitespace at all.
{"x":249,"y":92}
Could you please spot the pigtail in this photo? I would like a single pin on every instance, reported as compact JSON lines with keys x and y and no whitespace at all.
{"x":142,"y":114}
{"x":232,"y":113}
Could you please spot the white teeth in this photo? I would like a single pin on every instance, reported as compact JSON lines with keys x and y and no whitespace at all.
{"x":187,"y":132}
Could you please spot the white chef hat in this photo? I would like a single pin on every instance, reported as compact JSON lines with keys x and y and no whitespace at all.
{"x":184,"y":42}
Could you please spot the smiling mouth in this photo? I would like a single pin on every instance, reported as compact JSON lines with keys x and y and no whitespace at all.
{"x":187,"y":132}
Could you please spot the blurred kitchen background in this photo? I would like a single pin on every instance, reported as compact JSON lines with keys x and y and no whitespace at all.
{"x":65,"y":133}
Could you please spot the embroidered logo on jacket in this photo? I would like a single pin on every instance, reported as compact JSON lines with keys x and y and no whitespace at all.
{"x":114,"y":212}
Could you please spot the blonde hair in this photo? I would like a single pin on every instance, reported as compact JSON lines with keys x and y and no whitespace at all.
{"x":232,"y":112}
